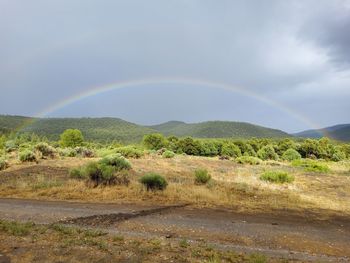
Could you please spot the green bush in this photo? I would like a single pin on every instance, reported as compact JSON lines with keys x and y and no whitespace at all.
{"x":249,"y":151}
{"x":117,"y":161}
{"x":311,"y":165}
{"x":210,"y":148}
{"x":248,"y":160}
{"x":77,"y":173}
{"x":3,"y":163}
{"x":10,"y":146}
{"x":267,"y":153}
{"x":153,"y":182}
{"x":338,"y":154}
{"x":71,"y":138}
{"x":99,"y":174}
{"x":231,"y":150}
{"x":67,"y":152}
{"x":27,"y":156}
{"x":277,"y":177}
{"x":189,"y":146}
{"x":201,"y":176}
{"x":290,"y":155}
{"x":130,"y":152}
{"x":154,"y":141}
{"x":45,"y":149}
{"x":168,"y":154}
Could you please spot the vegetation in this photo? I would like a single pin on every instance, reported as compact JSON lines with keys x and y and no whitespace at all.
{"x":291,"y":155}
{"x":3,"y":163}
{"x":45,"y":149}
{"x":27,"y":156}
{"x":155,"y":141}
{"x":117,"y":161}
{"x":311,"y":166}
{"x":130,"y":151}
{"x":71,"y":138}
{"x":202,"y":176}
{"x":277,"y":177}
{"x":230,"y":150}
{"x":153,"y":181}
{"x":267,"y":153}
{"x":217,"y":129}
{"x":168,"y":154}
{"x":248,"y":160}
{"x":15,"y":228}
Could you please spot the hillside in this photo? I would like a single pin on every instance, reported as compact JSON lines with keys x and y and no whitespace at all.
{"x":107,"y":129}
{"x":98,"y":129}
{"x":217,"y":129}
{"x":339,"y":132}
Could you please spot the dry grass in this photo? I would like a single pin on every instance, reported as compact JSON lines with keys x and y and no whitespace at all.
{"x":233,"y":186}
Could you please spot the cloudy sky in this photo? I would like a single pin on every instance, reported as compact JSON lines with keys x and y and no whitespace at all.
{"x":288,"y":62}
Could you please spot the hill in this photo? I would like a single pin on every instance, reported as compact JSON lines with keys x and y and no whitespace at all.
{"x":98,"y":129}
{"x":217,"y":129}
{"x":339,"y":132}
{"x":108,"y":129}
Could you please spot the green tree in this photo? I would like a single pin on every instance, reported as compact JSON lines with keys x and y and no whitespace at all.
{"x":154,"y":141}
{"x":71,"y":138}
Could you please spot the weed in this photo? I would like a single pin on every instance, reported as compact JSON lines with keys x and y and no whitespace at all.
{"x":277,"y":177}
{"x":202,"y":176}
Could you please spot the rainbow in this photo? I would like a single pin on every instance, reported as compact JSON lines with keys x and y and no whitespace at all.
{"x":93,"y":91}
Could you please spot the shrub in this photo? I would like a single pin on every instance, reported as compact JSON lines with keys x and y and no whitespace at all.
{"x":154,"y":141}
{"x":189,"y":146}
{"x":3,"y":163}
{"x":231,"y":150}
{"x":45,"y":150}
{"x":267,"y":153}
{"x":77,"y":173}
{"x":311,"y":166}
{"x":168,"y":154}
{"x":249,"y":151}
{"x":338,"y":154}
{"x":277,"y":177}
{"x":117,"y":161}
{"x":84,"y":152}
{"x":98,"y":173}
{"x":153,"y":182}
{"x":10,"y":146}
{"x":71,"y":138}
{"x":202,"y":176}
{"x":248,"y":160}
{"x":130,"y":152}
{"x":290,"y":155}
{"x":27,"y":156}
{"x":67,"y":152}
{"x":210,"y":148}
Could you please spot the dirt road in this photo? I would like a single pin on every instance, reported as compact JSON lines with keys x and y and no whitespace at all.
{"x":286,"y":235}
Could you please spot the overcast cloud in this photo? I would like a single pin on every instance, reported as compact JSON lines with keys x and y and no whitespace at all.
{"x":296,"y":53}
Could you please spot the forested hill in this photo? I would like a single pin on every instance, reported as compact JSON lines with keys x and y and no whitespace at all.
{"x":97,"y":129}
{"x":108,"y":129}
{"x":339,"y":132}
{"x":217,"y":129}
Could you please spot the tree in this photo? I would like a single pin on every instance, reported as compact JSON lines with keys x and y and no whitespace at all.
{"x":71,"y":138}
{"x":154,"y":141}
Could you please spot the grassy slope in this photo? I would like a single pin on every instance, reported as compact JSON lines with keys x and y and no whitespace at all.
{"x":217,"y":129}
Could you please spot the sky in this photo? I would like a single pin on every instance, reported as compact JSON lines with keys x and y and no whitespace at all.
{"x":285,"y":64}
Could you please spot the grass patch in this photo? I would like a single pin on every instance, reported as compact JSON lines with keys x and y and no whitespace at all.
{"x":248,"y":160}
{"x":277,"y":177}
{"x":311,"y":166}
{"x":16,"y":228}
{"x":201,"y":176}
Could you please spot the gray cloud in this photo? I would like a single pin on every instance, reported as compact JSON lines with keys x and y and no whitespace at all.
{"x":287,"y":51}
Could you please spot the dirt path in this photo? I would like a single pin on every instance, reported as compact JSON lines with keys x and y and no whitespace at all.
{"x":285,"y":235}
